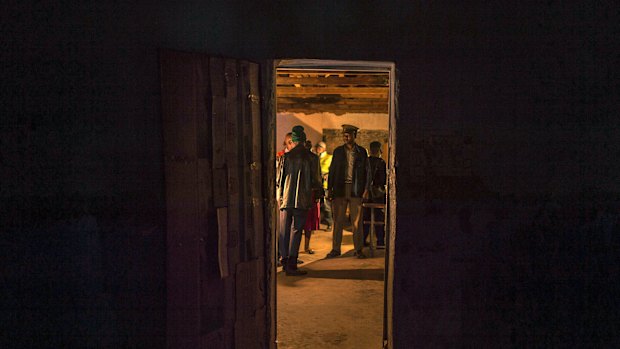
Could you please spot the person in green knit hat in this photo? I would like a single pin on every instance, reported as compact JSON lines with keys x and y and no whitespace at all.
{"x":298,"y":186}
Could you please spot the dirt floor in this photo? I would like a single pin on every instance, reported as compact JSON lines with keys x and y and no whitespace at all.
{"x":338,"y":304}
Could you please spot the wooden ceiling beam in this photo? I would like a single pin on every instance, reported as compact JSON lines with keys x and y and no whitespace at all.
{"x":332,"y":90}
{"x":337,"y":96}
{"x":337,"y":109}
{"x":306,"y":72}
{"x":335,"y":80}
{"x":345,"y":92}
{"x":343,"y":101}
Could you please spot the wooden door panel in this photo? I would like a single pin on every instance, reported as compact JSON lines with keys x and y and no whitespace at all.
{"x":218,"y":136}
{"x":181,"y":184}
{"x":179,"y":136}
{"x":249,"y":301}
{"x":212,"y":154}
{"x":232,"y":152}
{"x":256,"y":178}
{"x":246,"y":237}
{"x":183,"y":289}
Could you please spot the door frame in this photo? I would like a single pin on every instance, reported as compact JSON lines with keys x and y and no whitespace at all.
{"x":269,"y":125}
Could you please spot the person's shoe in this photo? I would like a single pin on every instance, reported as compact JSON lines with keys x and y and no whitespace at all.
{"x":283,"y":262}
{"x":359,"y":255}
{"x":332,"y":254}
{"x":299,"y":261}
{"x":309,"y":251}
{"x":291,"y":268}
{"x":328,"y":228}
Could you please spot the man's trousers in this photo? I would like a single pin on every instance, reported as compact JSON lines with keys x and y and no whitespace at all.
{"x":292,"y":221}
{"x":339,"y":209}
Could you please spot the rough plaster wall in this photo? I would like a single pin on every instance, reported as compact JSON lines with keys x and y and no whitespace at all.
{"x":515,"y":246}
{"x":333,"y":139}
{"x":315,"y":124}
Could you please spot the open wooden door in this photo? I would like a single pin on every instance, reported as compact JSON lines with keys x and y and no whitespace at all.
{"x":217,"y":293}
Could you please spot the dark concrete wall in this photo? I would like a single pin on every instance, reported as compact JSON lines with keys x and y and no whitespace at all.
{"x":507,"y":171}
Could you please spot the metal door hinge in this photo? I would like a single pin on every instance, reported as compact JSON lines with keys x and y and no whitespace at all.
{"x":254,"y":98}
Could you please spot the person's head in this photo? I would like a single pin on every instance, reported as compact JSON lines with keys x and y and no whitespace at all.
{"x":288,"y":142}
{"x":349,"y":133}
{"x":375,"y":149}
{"x":298,"y":135}
{"x":320,"y":147}
{"x":308,"y":144}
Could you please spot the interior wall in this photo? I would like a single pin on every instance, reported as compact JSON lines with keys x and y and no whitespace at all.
{"x":507,"y":218}
{"x":314,"y":124}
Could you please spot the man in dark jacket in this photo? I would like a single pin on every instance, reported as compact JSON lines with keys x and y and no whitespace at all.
{"x":299,"y":176}
{"x":347,"y":185}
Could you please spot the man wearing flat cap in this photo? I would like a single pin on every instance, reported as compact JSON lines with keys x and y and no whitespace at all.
{"x":348,"y":184}
{"x":299,"y":177}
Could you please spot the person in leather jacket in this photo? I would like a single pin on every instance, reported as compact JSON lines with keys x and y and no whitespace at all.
{"x":299,"y":177}
{"x":347,"y":185}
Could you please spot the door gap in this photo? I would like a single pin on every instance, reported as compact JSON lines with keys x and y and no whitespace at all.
{"x":361,"y":94}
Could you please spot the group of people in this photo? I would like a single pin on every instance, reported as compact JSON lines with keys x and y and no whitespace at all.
{"x":311,"y":184}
